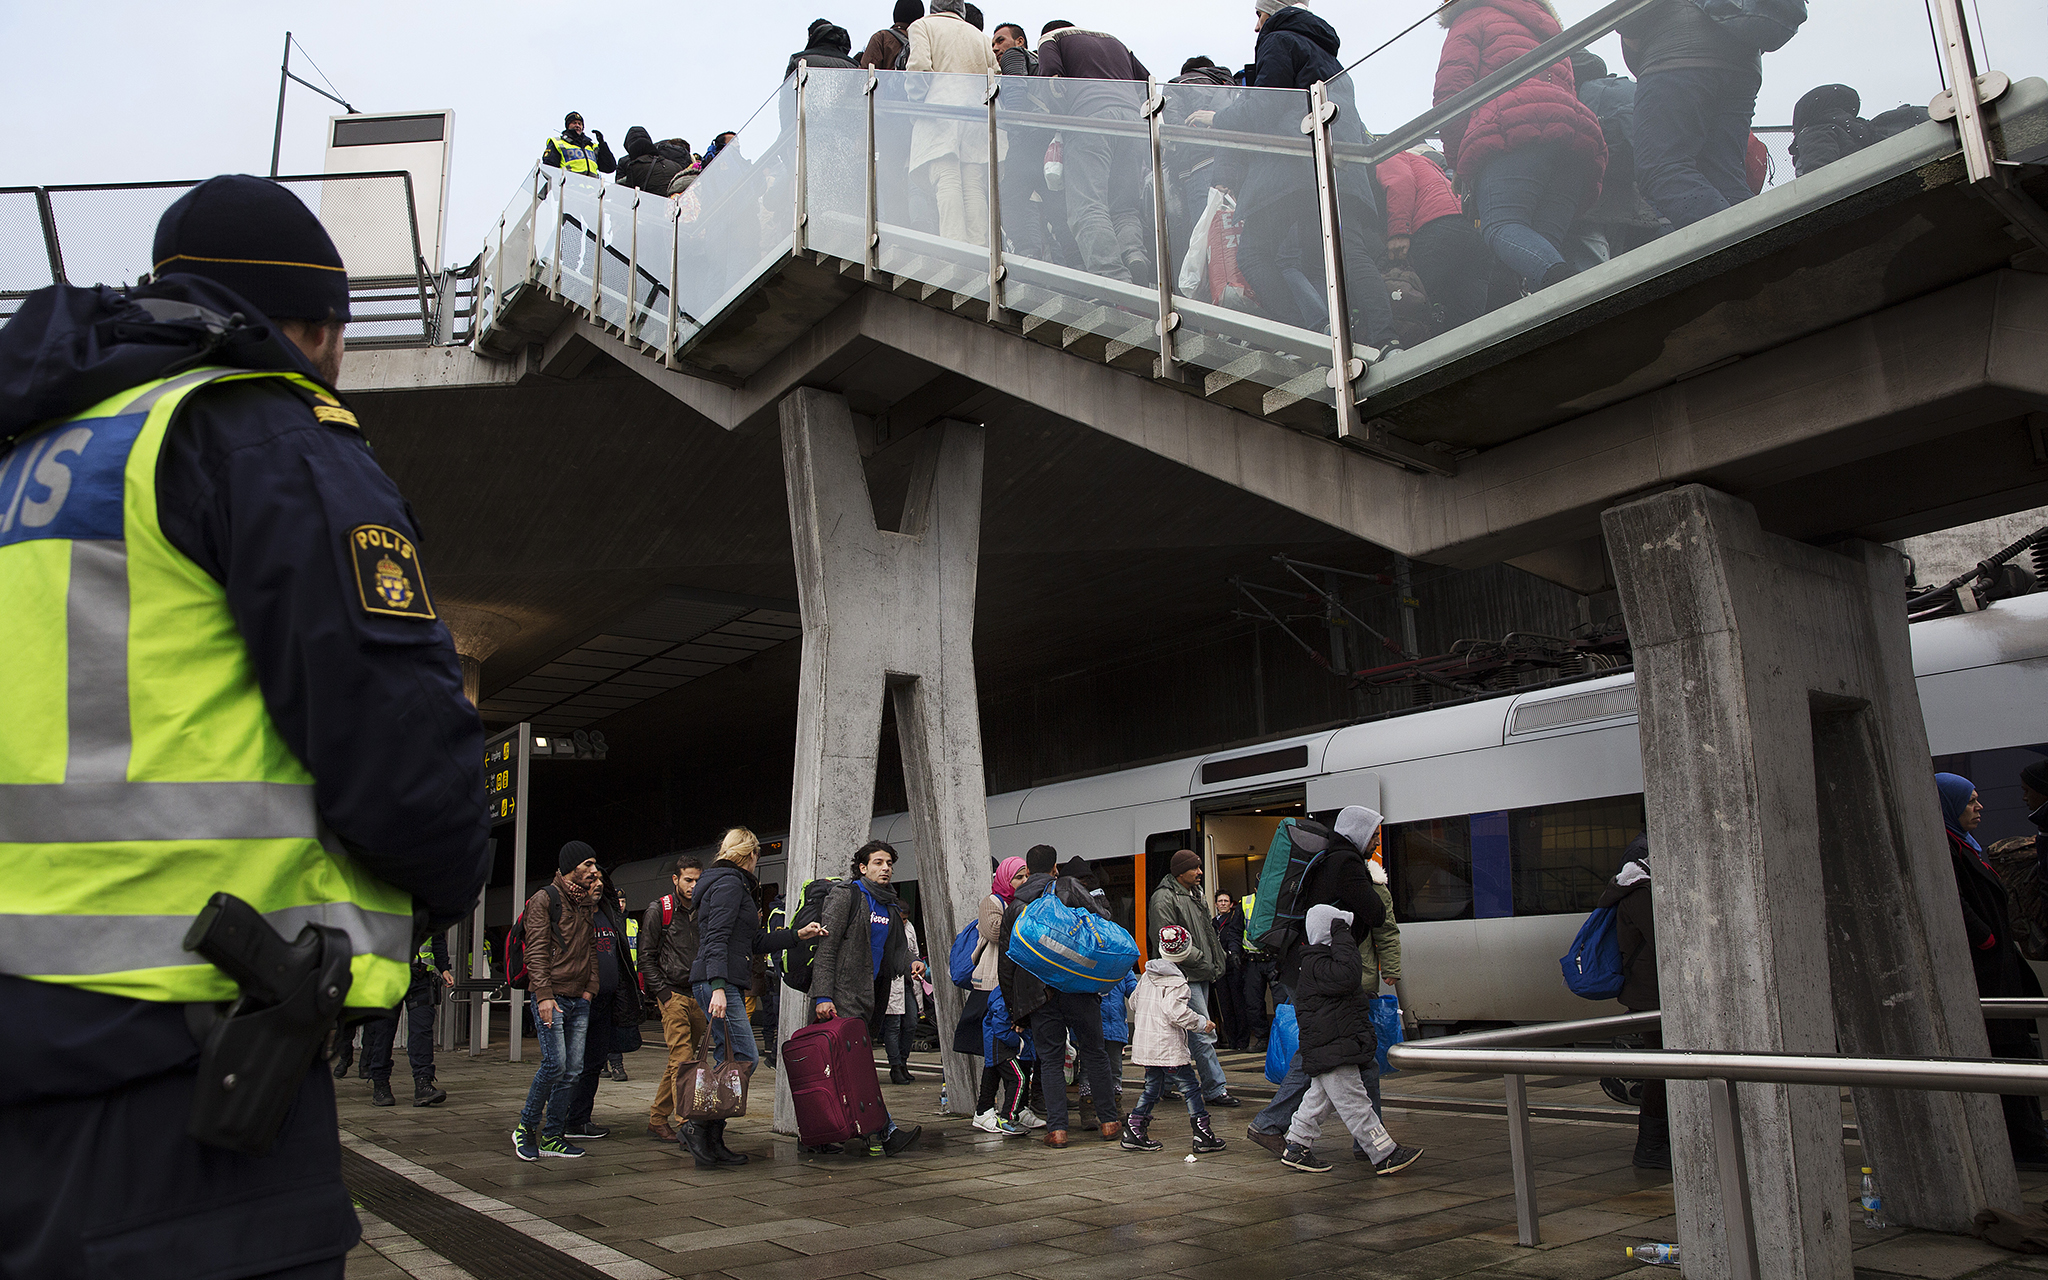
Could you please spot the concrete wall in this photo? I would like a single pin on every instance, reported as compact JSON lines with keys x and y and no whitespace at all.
{"x":1938,"y":557}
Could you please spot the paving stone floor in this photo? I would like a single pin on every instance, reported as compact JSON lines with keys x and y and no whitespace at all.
{"x":964,"y":1205}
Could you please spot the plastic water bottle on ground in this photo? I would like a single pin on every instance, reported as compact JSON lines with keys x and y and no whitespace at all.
{"x":1655,"y":1255}
{"x":1873,"y":1203}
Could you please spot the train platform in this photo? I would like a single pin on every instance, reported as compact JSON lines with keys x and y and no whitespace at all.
{"x":442,"y":1196}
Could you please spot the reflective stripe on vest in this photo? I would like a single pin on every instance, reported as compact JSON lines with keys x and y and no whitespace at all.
{"x":575,"y":159}
{"x":142,"y":772}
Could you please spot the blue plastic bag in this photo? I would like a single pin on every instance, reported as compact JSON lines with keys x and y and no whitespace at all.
{"x":1386,"y":1027}
{"x":1069,"y":949}
{"x":1281,"y":1043}
{"x":960,"y":961}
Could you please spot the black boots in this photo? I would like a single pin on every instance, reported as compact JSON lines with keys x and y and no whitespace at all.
{"x":696,"y":1139}
{"x":380,"y":1094}
{"x":1653,"y":1144}
{"x":1134,"y":1136}
{"x":1205,"y":1135}
{"x":425,"y":1093}
{"x":714,"y":1134}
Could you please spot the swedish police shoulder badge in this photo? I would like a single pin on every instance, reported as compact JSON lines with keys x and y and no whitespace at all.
{"x":388,"y":573}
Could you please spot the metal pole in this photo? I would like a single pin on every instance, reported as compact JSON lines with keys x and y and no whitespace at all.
{"x":561,"y":212}
{"x":284,"y":72}
{"x":871,"y":257}
{"x":479,"y":970}
{"x":596,"y":234}
{"x":517,"y":1005}
{"x":53,"y":246}
{"x":533,"y":228}
{"x":1733,"y":1165}
{"x":1960,"y":60}
{"x":671,"y":342}
{"x":633,"y":272}
{"x":1404,"y":586}
{"x":799,"y":235}
{"x":1162,"y":238}
{"x":1345,"y":368}
{"x":995,"y":207}
{"x":1522,"y":1160}
{"x":497,"y":279}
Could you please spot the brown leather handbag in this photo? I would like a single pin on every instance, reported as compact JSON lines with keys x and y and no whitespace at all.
{"x":707,"y":1090}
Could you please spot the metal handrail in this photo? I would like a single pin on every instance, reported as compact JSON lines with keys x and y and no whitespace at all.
{"x":1512,"y":1054}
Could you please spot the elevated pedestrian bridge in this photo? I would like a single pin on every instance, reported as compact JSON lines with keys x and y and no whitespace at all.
{"x":1855,"y":351}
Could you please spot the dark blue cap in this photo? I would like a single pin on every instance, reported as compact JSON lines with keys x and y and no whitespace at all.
{"x":258,"y":239}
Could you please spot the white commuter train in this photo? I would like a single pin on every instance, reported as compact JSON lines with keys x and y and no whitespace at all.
{"x":1506,"y":816}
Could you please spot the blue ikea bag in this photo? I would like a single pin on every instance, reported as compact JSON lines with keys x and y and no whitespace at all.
{"x":1282,"y":1042}
{"x":1386,"y":1028}
{"x":960,"y":961}
{"x":1071,"y":949}
{"x":1592,"y":968}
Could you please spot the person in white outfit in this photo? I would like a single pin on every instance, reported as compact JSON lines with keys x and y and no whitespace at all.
{"x":949,"y":153}
{"x":1161,"y":1018}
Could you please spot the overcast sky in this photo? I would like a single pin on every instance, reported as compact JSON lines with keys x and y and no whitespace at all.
{"x":140,"y":91}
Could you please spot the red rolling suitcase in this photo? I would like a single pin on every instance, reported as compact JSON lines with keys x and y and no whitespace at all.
{"x":832,"y":1081}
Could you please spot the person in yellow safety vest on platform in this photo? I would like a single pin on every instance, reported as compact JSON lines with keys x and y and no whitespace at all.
{"x":230,"y":710}
{"x":576,"y":151}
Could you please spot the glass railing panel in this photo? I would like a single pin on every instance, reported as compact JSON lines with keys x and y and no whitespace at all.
{"x":1243,"y":223}
{"x":1076,"y":196}
{"x":932,"y":179}
{"x":615,"y":264}
{"x":1489,"y":210}
{"x":654,"y":259}
{"x":578,"y":238}
{"x":835,"y":162}
{"x":740,"y":213}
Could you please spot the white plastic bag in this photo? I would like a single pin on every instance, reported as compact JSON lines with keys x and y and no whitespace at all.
{"x":1194,"y":268}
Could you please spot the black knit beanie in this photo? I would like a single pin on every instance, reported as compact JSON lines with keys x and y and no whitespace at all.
{"x":572,"y":856}
{"x":258,"y":239}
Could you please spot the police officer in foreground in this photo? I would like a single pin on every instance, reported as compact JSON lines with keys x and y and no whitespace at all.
{"x":229,"y":704}
{"x":577,"y":151}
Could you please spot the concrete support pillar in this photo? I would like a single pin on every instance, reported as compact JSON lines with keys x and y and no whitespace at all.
{"x":887,"y":613}
{"x":477,"y":634}
{"x":1804,"y":899}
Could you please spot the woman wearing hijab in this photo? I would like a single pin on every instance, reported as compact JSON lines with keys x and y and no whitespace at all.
{"x":2001,"y":971}
{"x":1005,"y":1055}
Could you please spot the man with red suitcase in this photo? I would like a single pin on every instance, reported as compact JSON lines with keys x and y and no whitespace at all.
{"x":831,"y":1063}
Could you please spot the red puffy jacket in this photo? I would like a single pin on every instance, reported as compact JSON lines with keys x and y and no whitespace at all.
{"x":1418,"y":194}
{"x":1485,"y":36}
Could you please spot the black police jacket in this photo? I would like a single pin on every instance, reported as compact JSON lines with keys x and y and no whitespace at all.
{"x":262,"y":495}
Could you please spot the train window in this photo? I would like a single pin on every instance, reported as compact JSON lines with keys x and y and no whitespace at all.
{"x":1430,"y":868}
{"x":1562,"y":855}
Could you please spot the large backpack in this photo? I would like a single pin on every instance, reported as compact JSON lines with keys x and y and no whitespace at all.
{"x":1764,"y":25}
{"x":515,"y":938}
{"x":966,"y":949}
{"x":803,"y":953}
{"x":1592,"y":968}
{"x":1279,"y":915}
{"x":1071,"y":948}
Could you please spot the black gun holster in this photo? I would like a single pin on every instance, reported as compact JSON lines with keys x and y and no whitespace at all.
{"x":254,"y":1057}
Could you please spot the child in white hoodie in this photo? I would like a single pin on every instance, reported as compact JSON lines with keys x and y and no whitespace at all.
{"x":1160,"y":1021}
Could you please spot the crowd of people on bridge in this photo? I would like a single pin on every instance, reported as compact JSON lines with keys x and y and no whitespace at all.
{"x":1543,"y":181}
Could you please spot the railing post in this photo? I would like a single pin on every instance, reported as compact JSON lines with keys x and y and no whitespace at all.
{"x":1968,"y":93}
{"x":596,"y":234}
{"x":561,"y":208}
{"x":675,"y":258}
{"x":532,"y":229}
{"x":1726,"y":1109}
{"x":1162,"y":237}
{"x":497,"y":280}
{"x":871,"y":258}
{"x":52,"y":246}
{"x":800,"y":233}
{"x":1345,"y":368}
{"x":633,"y":271}
{"x":1522,"y":1160}
{"x":995,"y":206}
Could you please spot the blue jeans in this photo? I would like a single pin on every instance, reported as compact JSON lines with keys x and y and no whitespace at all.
{"x":1202,"y":1045}
{"x":1692,"y":141}
{"x":1527,"y":199}
{"x":1155,"y":1084}
{"x":561,"y":1064}
{"x":733,"y":1024}
{"x":1279,"y":1113}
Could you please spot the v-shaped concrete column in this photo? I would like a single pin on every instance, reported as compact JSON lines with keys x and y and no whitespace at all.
{"x":1803,"y":891}
{"x":887,"y":612}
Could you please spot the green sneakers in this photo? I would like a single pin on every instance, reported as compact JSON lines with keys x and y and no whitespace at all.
{"x":559,"y":1146}
{"x":525,"y":1142}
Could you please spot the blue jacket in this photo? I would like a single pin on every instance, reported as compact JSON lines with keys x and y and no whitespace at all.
{"x":260,"y":494}
{"x":1116,"y":1011}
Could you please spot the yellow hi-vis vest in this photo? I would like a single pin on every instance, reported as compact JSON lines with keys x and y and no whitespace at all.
{"x":575,"y":159}
{"x":140,"y":771}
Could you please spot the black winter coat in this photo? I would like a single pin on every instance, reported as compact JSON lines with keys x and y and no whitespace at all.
{"x":1635,"y":932}
{"x":1677,"y":35}
{"x":1342,"y":881}
{"x":1331,"y":1008}
{"x":1296,"y":49}
{"x":729,"y":932}
{"x":1023,"y":993}
{"x":1994,"y":949}
{"x":830,"y":47}
{"x":645,"y":165}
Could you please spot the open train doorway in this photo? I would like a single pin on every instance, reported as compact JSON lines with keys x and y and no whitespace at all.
{"x":1234,"y":833}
